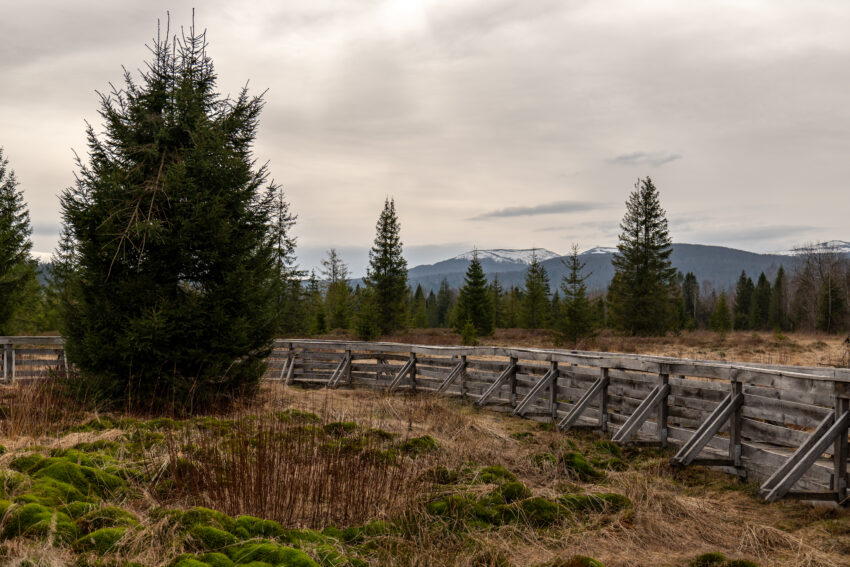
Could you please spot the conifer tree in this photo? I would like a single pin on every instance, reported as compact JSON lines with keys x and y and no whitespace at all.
{"x":315,"y":304}
{"x":338,"y":291}
{"x":173,"y":298}
{"x":690,"y":296}
{"x":497,"y":295}
{"x":474,"y":303}
{"x":419,"y":309}
{"x":444,"y":304}
{"x":778,"y":318}
{"x":720,"y":320}
{"x":536,"y":305}
{"x":513,"y":308}
{"x":760,"y":304}
{"x":367,"y":316}
{"x":431,"y":307}
{"x":290,"y":309}
{"x":386,"y":275}
{"x":18,"y":284}
{"x":642,"y":292}
{"x":577,"y":314}
{"x":555,"y":310}
{"x":743,"y":302}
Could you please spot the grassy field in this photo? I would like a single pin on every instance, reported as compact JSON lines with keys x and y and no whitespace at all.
{"x":305,"y":477}
{"x":802,"y":349}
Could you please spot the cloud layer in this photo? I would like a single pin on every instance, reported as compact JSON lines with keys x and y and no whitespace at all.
{"x":454,"y":107}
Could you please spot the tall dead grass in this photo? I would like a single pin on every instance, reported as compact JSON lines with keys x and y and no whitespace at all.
{"x":300,"y":472}
{"x":35,"y":408}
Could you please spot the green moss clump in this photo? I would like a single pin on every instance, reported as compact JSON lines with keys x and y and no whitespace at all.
{"x":216,"y":560}
{"x":537,"y":512}
{"x":609,"y":502}
{"x":190,"y":562}
{"x":380,"y":434}
{"x":577,"y":465}
{"x":340,"y":428}
{"x":87,"y":480}
{"x":297,"y":415}
{"x":106,"y":517}
{"x":511,"y":491}
{"x":100,"y":423}
{"x":11,"y":482}
{"x":2,"y":447}
{"x":26,"y":462}
{"x":249,"y":527}
{"x":51,"y":492}
{"x":206,"y":517}
{"x":4,"y":506}
{"x":208,"y":537}
{"x":609,"y":447}
{"x":416,"y":446}
{"x":544,"y":459}
{"x":299,"y":537}
{"x":100,"y":541}
{"x":495,"y":474}
{"x":270,"y":553}
{"x":35,"y":520}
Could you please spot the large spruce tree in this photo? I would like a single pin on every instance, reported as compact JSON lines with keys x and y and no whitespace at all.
{"x":386,"y":276}
{"x":173,"y":294}
{"x":474,"y":302}
{"x":642,"y":292}
{"x":17,"y":270}
{"x":535,"y":303}
{"x":744,"y":290}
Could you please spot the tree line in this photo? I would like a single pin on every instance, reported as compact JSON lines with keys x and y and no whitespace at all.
{"x":176,"y":265}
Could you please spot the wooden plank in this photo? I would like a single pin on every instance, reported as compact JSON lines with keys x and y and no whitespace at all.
{"x":711,"y":426}
{"x":637,"y":419}
{"x":452,"y":376}
{"x":504,"y":377}
{"x":584,"y":402}
{"x":534,"y":392}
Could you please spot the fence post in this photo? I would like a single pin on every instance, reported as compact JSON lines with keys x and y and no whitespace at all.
{"x":7,"y":358}
{"x":735,"y":423}
{"x":513,"y":361}
{"x":663,"y":411}
{"x":603,"y":402}
{"x":463,"y":389}
{"x":553,"y":392}
{"x":840,"y":448}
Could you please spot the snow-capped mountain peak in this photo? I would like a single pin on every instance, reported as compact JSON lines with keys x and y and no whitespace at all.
{"x":834,"y":246}
{"x":509,"y":255}
{"x":601,"y":250}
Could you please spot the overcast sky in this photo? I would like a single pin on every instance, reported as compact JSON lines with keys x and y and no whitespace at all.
{"x":493,"y":123}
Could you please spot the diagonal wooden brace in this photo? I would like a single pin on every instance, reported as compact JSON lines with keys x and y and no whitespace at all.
{"x":341,"y":370}
{"x":721,"y":414}
{"x":637,"y":419}
{"x":801,"y":461}
{"x":596,"y":389}
{"x":494,"y":387}
{"x":405,"y":370}
{"x":532,"y":395}
{"x":456,"y":371}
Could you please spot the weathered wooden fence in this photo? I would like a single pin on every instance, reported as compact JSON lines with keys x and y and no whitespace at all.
{"x":785,"y":426}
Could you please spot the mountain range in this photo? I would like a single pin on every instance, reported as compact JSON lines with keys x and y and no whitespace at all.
{"x":716,"y":264}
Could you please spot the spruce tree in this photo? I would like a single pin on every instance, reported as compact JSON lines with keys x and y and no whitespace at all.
{"x":778,"y":318}
{"x":720,"y":320}
{"x":743,"y":302}
{"x":386,"y":275}
{"x":642,"y":292}
{"x":18,"y":283}
{"x":497,"y":295}
{"x":288,"y":305}
{"x":577,"y":313}
{"x":444,"y":304}
{"x":535,"y":304}
{"x":419,"y":309}
{"x":173,"y":298}
{"x":474,"y":302}
{"x":431,"y":308}
{"x":690,"y":295}
{"x":760,"y":304}
{"x":337,"y":292}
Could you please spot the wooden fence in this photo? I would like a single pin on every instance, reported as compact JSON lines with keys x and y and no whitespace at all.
{"x":785,"y":426}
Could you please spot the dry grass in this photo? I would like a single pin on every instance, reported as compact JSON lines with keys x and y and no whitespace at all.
{"x":261,"y":464}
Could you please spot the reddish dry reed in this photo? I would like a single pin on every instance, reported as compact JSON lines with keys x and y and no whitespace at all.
{"x":290,"y":468}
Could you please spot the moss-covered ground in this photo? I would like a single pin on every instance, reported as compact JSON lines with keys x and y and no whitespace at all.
{"x":475,"y":488}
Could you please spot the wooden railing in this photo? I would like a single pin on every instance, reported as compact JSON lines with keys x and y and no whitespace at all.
{"x":785,"y":426}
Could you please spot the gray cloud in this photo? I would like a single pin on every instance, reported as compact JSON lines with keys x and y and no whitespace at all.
{"x":448,"y":105}
{"x":553,"y":208}
{"x":643,"y":158}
